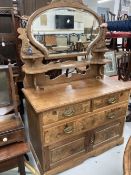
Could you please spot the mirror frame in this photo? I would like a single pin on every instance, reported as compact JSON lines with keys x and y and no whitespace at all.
{"x":60,"y":4}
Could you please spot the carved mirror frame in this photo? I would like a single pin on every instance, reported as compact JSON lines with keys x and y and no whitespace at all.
{"x":78,"y":5}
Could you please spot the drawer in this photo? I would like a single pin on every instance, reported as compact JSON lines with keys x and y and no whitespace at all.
{"x":12,"y":137}
{"x":110,"y":99}
{"x":82,"y":124}
{"x":65,"y":112}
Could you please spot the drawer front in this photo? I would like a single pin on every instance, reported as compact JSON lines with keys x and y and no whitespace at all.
{"x":110,"y":99}
{"x":108,"y":133}
{"x":68,"y":150}
{"x":65,"y":112}
{"x":101,"y":118}
{"x":63,"y":131}
{"x":11,"y":137}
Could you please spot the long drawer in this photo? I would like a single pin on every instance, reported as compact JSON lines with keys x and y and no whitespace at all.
{"x":84,"y":123}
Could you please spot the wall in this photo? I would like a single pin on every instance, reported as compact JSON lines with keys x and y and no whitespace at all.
{"x":45,"y":24}
{"x":94,"y":4}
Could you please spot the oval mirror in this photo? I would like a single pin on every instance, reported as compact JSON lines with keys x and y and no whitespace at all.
{"x":64,"y":30}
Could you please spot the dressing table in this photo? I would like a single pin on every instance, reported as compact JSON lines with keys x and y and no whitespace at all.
{"x":77,"y":114}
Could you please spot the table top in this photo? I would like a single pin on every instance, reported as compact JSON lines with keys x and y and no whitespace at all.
{"x":74,"y":92}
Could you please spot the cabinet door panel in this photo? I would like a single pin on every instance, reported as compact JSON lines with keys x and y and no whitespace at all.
{"x":67,"y":150}
{"x":108,"y":132}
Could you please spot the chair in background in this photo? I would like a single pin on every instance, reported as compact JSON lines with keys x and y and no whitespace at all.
{"x":61,"y":40}
{"x":73,"y":39}
{"x":12,"y":145}
{"x":50,"y":41}
{"x":124,"y":66}
{"x":61,"y":43}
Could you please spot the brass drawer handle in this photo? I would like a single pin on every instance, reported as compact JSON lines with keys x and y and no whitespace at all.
{"x":68,"y":129}
{"x":69,"y":112}
{"x":112,"y":100}
{"x":111,"y":116}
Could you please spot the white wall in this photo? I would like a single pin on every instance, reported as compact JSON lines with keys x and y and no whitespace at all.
{"x":81,"y":20}
{"x":93,"y":4}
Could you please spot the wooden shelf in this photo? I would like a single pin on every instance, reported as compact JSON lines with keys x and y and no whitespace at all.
{"x":64,"y":65}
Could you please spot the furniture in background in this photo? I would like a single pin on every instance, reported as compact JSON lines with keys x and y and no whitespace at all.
{"x":127,"y":158}
{"x":124,"y":66}
{"x":32,"y":5}
{"x":8,"y":36}
{"x":75,"y":115}
{"x":12,"y":136}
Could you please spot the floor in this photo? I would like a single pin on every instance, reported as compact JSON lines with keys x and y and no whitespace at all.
{"x":108,"y":163}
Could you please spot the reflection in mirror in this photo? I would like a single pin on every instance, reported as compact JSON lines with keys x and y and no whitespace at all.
{"x":65,"y":30}
{"x":4,"y":88}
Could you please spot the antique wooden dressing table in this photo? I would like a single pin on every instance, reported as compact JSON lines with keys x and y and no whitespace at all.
{"x":76,"y":115}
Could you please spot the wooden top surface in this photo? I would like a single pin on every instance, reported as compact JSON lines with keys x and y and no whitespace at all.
{"x":68,"y":93}
{"x":13,"y":150}
{"x":10,"y":122}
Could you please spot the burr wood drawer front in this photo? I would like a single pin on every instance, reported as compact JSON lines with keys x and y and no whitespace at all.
{"x":11,"y":137}
{"x":110,"y":99}
{"x":67,"y":150}
{"x":66,"y":112}
{"x":108,"y":132}
{"x":84,"y":123}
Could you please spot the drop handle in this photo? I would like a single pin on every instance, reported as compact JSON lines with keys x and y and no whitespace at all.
{"x":112,"y":100}
{"x":111,"y":116}
{"x":69,"y":112}
{"x":68,"y":129}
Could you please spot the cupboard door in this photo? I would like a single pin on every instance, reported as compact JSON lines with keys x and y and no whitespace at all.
{"x":70,"y":148}
{"x":108,"y":133}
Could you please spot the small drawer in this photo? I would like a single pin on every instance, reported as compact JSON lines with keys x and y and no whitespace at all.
{"x":11,"y":137}
{"x":65,"y":112}
{"x":110,"y":99}
{"x":84,"y":123}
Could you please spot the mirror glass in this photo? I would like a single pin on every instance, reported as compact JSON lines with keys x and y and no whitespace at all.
{"x":65,"y":30}
{"x":4,"y":88}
